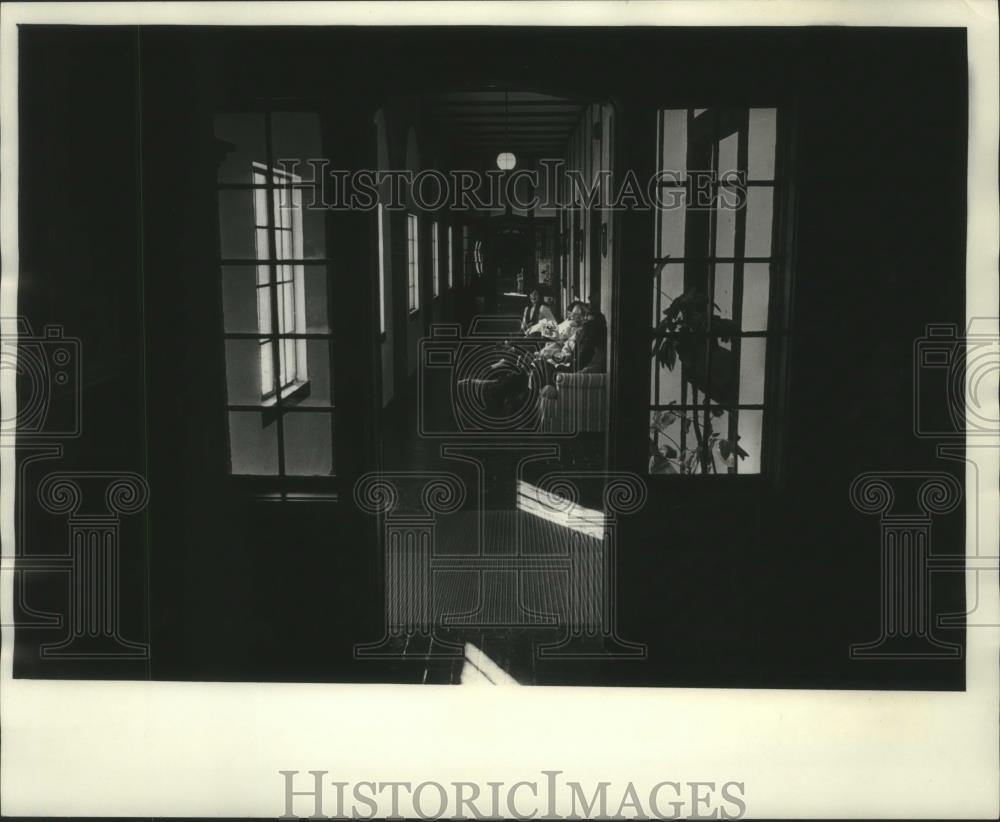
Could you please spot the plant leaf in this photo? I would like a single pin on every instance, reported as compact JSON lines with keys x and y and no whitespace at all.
{"x":659,"y":465}
{"x":663,"y":420}
{"x":668,"y":354}
{"x":738,"y":450}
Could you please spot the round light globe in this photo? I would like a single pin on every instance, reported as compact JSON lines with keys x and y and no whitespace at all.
{"x":506,"y":161}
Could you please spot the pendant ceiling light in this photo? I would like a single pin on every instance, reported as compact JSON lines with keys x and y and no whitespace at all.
{"x":506,"y":159}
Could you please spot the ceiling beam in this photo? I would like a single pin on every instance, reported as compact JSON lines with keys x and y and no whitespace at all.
{"x":532,"y":105}
{"x":499,"y":118}
{"x":502,"y":128}
{"x":503,"y":138}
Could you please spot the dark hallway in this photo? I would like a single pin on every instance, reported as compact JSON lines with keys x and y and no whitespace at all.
{"x":277,"y":348}
{"x":633,"y":366}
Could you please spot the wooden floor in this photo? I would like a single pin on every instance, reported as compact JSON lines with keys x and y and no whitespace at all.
{"x":501,"y":580}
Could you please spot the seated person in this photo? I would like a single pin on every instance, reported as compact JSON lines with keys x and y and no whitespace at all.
{"x":563,"y":343}
{"x":569,"y":325}
{"x":558,"y":332}
{"x":550,"y":301}
{"x":535,"y":313}
{"x":581,"y":349}
{"x":584,"y":351}
{"x":592,"y":344}
{"x":538,"y":320}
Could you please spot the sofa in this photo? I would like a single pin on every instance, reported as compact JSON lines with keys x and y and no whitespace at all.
{"x":578,"y":402}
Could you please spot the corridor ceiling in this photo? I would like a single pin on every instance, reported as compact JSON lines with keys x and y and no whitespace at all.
{"x":484,"y":122}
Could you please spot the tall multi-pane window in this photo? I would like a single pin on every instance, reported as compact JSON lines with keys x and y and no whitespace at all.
{"x":565,"y":284}
{"x":435,"y":261}
{"x":477,"y":257}
{"x":717,"y":309}
{"x":278,"y":220}
{"x":275,"y":311}
{"x":413,"y":261}
{"x":451,"y":258}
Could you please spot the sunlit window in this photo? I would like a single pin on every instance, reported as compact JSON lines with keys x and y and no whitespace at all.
{"x":451,"y":258}
{"x":278,"y":220}
{"x":275,"y":298}
{"x":716,"y":311}
{"x":412,"y":261}
{"x":435,"y":262}
{"x":381,"y":271}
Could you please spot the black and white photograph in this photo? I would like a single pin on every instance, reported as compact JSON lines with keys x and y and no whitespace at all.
{"x":637,"y":363}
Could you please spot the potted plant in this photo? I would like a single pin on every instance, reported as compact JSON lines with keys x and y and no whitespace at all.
{"x":691,"y":332}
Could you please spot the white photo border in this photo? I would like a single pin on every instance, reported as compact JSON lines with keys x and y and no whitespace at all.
{"x":89,"y":748}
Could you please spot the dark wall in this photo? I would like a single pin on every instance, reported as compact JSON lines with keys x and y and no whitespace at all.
{"x":79,"y":204}
{"x":768,"y":582}
{"x":274,"y":590}
{"x":749,"y":583}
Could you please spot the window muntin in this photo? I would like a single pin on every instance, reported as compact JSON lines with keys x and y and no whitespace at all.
{"x":413,"y":262}
{"x":277,"y":339}
{"x":281,"y":224}
{"x":451,"y":258}
{"x":709,"y":408}
{"x":381,"y":270}
{"x":435,"y":261}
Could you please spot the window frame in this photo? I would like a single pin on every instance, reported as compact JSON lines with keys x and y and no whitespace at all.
{"x":383,"y":320}
{"x":412,"y":264}
{"x":296,"y":387}
{"x":717,"y":124}
{"x":451,"y":258}
{"x":275,"y":410}
{"x":435,"y":260}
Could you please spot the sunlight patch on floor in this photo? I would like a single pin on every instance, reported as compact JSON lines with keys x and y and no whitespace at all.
{"x":479,"y":669}
{"x":555,"y":509}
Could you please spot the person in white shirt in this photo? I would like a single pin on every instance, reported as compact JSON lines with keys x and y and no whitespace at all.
{"x":535,"y":312}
